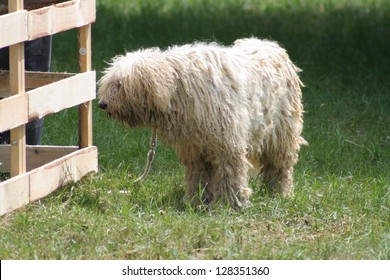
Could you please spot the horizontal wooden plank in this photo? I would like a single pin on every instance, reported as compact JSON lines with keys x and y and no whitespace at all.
{"x":19,"y":109}
{"x":36,"y":155}
{"x":28,"y":25}
{"x":61,"y":95}
{"x":13,"y":111}
{"x":33,"y":80}
{"x":42,"y":181}
{"x":51,"y":98}
{"x":60,"y":17}
{"x":14,"y":193}
{"x":69,"y":168}
{"x":13,"y":28}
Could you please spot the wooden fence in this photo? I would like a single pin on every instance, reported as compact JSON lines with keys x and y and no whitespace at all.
{"x":36,"y":171}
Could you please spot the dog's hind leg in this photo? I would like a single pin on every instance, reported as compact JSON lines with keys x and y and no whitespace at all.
{"x":280,"y":153}
{"x":278,"y":169}
{"x":278,"y":179}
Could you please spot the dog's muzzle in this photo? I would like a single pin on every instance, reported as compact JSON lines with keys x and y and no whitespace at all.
{"x":102,"y":105}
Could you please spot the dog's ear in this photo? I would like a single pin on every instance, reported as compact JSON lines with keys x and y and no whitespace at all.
{"x":158,"y":86}
{"x":158,"y":94}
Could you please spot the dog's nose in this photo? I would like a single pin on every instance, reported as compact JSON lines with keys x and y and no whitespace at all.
{"x":102,"y":105}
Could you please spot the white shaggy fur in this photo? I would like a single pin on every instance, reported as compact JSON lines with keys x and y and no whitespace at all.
{"x":224,"y":109}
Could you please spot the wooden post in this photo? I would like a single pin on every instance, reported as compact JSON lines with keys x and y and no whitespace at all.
{"x":85,"y":64}
{"x":17,"y":84}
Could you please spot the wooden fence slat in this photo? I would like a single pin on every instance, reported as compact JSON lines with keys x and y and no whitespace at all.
{"x":42,"y":181}
{"x":25,"y":25}
{"x":48,"y":99}
{"x":13,"y":28}
{"x":60,"y":17}
{"x":13,"y":111}
{"x":70,"y":168}
{"x":61,"y":95}
{"x":14,"y":193}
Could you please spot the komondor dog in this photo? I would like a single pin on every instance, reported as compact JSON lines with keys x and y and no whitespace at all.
{"x":226,"y":111}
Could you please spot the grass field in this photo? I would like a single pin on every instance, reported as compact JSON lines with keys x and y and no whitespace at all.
{"x":341,"y":208}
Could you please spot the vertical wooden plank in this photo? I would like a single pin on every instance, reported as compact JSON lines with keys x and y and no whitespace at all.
{"x":15,"y":5}
{"x":17,"y":84}
{"x":85,"y":64}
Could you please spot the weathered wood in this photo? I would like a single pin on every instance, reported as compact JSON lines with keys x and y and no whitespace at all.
{"x":61,"y":95}
{"x":85,"y":48}
{"x":70,"y":168}
{"x":51,"y":167}
{"x":13,"y":28}
{"x":85,"y":64}
{"x":18,"y":150}
{"x":14,"y":193}
{"x":36,"y":155}
{"x":42,"y":181}
{"x":13,"y":111}
{"x":60,"y":17}
{"x":51,"y":98}
{"x":25,"y":25}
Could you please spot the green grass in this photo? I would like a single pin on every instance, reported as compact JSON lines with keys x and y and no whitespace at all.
{"x":341,"y":208}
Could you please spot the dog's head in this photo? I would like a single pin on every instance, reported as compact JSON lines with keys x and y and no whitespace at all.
{"x":135,"y":88}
